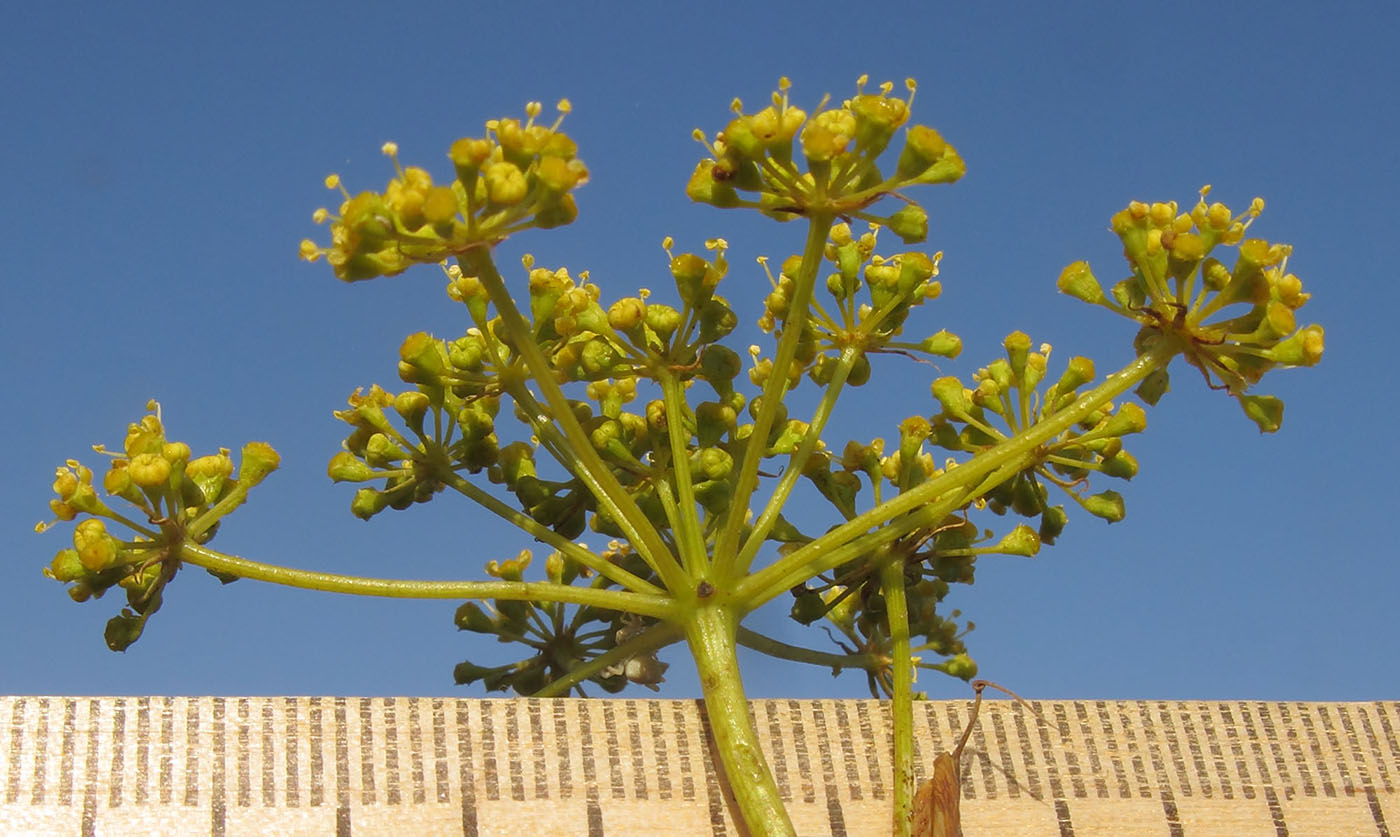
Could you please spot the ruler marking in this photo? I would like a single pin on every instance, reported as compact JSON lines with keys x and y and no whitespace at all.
{"x":563,"y":757}
{"x":1334,"y":745}
{"x":1376,"y":741}
{"x":141,"y":792}
{"x":534,"y":714}
{"x":342,"y":753}
{"x":981,"y":744}
{"x":1232,"y":737}
{"x":876,"y":775}
{"x":316,"y":740}
{"x":1137,"y":747}
{"x":488,"y":751}
{"x":416,"y":772}
{"x":367,"y":772}
{"x":1170,"y":812}
{"x":290,"y":739}
{"x":1167,"y":730}
{"x":804,"y":761}
{"x":1193,"y":746}
{"x":441,"y":778}
{"x":585,"y":735}
{"x":1305,"y":719}
{"x":268,"y":767}
{"x":1023,"y":749}
{"x":1258,"y":747}
{"x":1048,"y":754}
{"x":514,"y":769}
{"x":165,"y":767}
{"x":848,"y":752}
{"x":1373,"y":801}
{"x":1364,"y":767}
{"x":90,"y":777}
{"x":1112,"y":751}
{"x":192,"y":748}
{"x":1152,"y":738}
{"x":835,"y":814}
{"x":1210,"y":734}
{"x":1076,"y":773}
{"x":342,"y":821}
{"x":1276,"y":812}
{"x":615,"y":784}
{"x":634,"y":743}
{"x":990,"y":771}
{"x":217,"y":766}
{"x":658,"y":749}
{"x":714,"y":786}
{"x":779,"y":755}
{"x":1091,"y":748}
{"x":41,"y":753}
{"x":118,"y":765}
{"x":1383,"y":718}
{"x":595,"y":819}
{"x":243,"y":771}
{"x":1062,"y":818}
{"x":466,"y":778}
{"x":681,"y":737}
{"x":390,"y":718}
{"x":1295,"y":749}
{"x":16,"y":750}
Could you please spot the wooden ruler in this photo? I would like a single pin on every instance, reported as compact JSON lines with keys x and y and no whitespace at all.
{"x":426,"y":766}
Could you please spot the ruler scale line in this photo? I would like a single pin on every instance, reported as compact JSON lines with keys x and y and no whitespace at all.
{"x":292,"y":765}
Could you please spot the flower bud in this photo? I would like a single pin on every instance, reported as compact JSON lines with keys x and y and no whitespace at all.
{"x":1264,"y":410}
{"x":663,"y":319}
{"x":1121,"y":465}
{"x":1304,"y":348}
{"x":706,"y":185}
{"x":96,"y":549}
{"x":149,"y":470}
{"x":1107,"y":505}
{"x":345,"y":467}
{"x":952,"y":395}
{"x":1078,"y":281}
{"x":910,"y":223}
{"x":1021,"y":541}
{"x":259,"y":459}
{"x":1052,"y":523}
{"x":66,"y":566}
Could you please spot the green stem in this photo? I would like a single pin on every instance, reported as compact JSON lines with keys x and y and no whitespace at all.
{"x":783,"y":651}
{"x":766,"y":583}
{"x":710,"y":633}
{"x":764,"y":524}
{"x":727,"y":543}
{"x":689,"y":541}
{"x":901,"y":693}
{"x":661,"y":607}
{"x":592,"y":470}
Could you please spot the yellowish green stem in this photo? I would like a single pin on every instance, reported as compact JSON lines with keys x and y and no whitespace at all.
{"x":768,"y":582}
{"x":661,"y":607}
{"x":901,"y":692}
{"x":710,"y":632}
{"x":592,"y":470}
{"x":727,"y":543}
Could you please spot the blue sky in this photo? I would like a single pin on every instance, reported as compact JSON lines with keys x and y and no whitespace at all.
{"x":161,"y":162}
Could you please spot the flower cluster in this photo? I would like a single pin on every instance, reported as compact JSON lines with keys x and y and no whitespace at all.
{"x":841,"y":146}
{"x":519,"y":175}
{"x":563,"y":639}
{"x":1009,"y":396}
{"x":873,"y":298}
{"x":181,"y":499}
{"x":1233,"y":322}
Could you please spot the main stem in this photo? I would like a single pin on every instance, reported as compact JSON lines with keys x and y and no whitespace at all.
{"x":711,"y":634}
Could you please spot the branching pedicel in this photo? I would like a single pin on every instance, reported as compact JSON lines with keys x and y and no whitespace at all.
{"x":631,"y":418}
